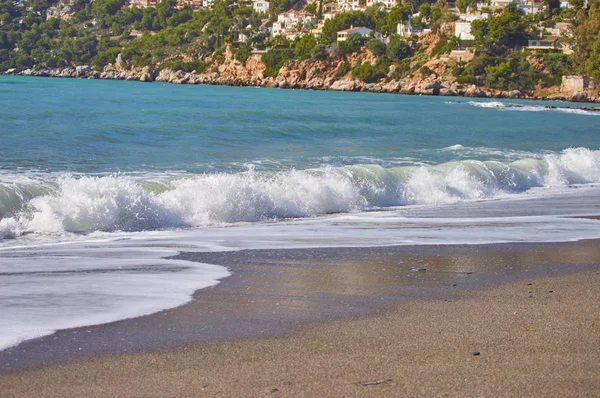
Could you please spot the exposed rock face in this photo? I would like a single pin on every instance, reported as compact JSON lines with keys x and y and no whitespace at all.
{"x":62,"y":9}
{"x":146,"y":74}
{"x":515,"y":94}
{"x":475,"y":92}
{"x":343,"y":85}
{"x":433,"y":78}
{"x":579,"y":96}
{"x":82,"y":71}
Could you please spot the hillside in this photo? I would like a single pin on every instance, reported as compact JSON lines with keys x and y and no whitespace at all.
{"x":232,"y":43}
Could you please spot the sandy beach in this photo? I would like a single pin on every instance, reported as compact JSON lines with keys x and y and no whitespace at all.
{"x":527,"y":326}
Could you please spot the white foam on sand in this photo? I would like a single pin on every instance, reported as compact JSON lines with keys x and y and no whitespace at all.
{"x":73,"y":284}
{"x":104,"y":277}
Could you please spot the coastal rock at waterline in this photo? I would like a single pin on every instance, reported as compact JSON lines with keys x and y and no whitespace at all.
{"x":110,"y":75}
{"x":168,"y":75}
{"x":82,"y":71}
{"x":146,"y":75}
{"x":447,"y":92}
{"x":27,"y":72}
{"x":290,"y":78}
{"x":428,"y":88}
{"x":10,"y":71}
{"x":67,"y":72}
{"x":269,"y":82}
{"x":316,"y":84}
{"x":579,"y":96}
{"x":373,"y":88}
{"x":515,"y":94}
{"x":343,"y":85}
{"x":475,"y":92}
{"x":392,"y":87}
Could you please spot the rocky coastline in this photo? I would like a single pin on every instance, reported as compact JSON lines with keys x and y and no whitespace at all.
{"x":310,"y":75}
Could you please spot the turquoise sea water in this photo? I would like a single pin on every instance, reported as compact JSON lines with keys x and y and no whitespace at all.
{"x":100,"y":181}
{"x":90,"y":126}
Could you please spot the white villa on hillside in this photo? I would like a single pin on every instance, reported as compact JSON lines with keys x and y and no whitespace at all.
{"x":354,"y":5}
{"x":462,"y":30}
{"x":405,"y":29}
{"x":288,"y":22}
{"x":342,"y":35}
{"x":260,"y":6}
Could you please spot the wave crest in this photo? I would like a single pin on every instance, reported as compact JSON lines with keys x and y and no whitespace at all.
{"x":123,"y":203}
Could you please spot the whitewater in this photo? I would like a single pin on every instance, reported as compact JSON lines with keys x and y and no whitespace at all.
{"x":92,"y":208}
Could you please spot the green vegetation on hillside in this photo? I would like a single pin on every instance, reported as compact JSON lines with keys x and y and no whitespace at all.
{"x":33,"y":36}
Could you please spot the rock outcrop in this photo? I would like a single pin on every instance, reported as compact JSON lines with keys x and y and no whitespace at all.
{"x":433,"y":78}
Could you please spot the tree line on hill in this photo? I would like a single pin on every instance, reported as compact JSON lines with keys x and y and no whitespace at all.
{"x":96,"y":32}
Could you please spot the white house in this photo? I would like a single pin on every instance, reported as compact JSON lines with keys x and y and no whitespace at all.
{"x":330,"y":7}
{"x":405,"y":29}
{"x":242,"y":37}
{"x":355,"y":5}
{"x":348,"y":5}
{"x":342,"y":35}
{"x":470,"y":17}
{"x":500,"y":3}
{"x":261,"y":6}
{"x":288,"y":22}
{"x":462,"y":30}
{"x":531,"y":7}
{"x":208,"y":3}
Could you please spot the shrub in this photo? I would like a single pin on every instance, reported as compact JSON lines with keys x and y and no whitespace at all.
{"x":319,"y":53}
{"x":352,"y":44}
{"x":376,"y":47}
{"x":367,"y":73}
{"x":397,"y":49}
{"x":466,"y":79}
{"x":191,"y":66}
{"x":342,"y":70}
{"x":304,"y":46}
{"x":274,"y":60}
{"x":242,"y":54}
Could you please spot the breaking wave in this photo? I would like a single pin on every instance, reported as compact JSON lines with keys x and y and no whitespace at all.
{"x":59,"y":204}
{"x":535,"y":108}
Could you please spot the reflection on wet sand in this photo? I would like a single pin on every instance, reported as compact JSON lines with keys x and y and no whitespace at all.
{"x":271,"y":292}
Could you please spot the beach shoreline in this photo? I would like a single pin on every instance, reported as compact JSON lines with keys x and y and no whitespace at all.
{"x":532,"y":332}
{"x":278,"y":294}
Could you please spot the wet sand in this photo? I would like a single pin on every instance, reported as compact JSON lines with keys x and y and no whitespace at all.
{"x":338,"y":322}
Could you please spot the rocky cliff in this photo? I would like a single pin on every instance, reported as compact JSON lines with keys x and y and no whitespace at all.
{"x":315,"y":75}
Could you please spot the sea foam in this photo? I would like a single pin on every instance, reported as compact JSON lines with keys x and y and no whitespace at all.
{"x":83,"y":204}
{"x":534,"y":108}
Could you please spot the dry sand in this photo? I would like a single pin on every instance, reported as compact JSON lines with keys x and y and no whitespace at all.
{"x":536,"y":337}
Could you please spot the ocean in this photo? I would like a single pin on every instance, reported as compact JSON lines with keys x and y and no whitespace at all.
{"x":102,"y":182}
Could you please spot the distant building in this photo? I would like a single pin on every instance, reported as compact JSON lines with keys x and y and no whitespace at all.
{"x":405,"y":29}
{"x":544,"y":43}
{"x":142,"y":3}
{"x":531,"y":7}
{"x":290,"y":23}
{"x":470,"y":17}
{"x":500,"y":3}
{"x":261,"y":7}
{"x":571,"y":84}
{"x":193,"y":4}
{"x":462,"y":30}
{"x":342,"y":35}
{"x":330,"y":7}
